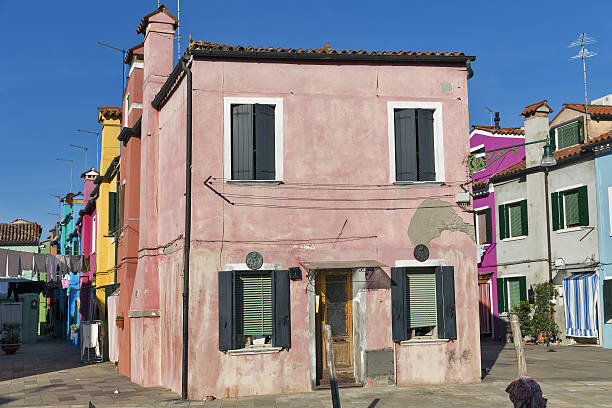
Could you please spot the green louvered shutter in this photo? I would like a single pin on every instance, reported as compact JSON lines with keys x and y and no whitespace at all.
{"x":524,"y":218}
{"x":551,"y":135}
{"x":514,"y":293}
{"x":254,"y":304}
{"x":112,"y":212}
{"x":502,"y":304}
{"x":554,"y":203}
{"x":568,"y":135}
{"x":523,"y":288}
{"x":501,"y":216}
{"x":489,"y":224}
{"x":421,"y":296}
{"x":516,"y":229}
{"x":583,"y":205}
{"x":572,"y":217}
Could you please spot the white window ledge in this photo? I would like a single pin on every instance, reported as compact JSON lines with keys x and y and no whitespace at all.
{"x":564,"y":230}
{"x":254,"y":350}
{"x":254,"y":182}
{"x":418,"y":183}
{"x":416,"y":342}
{"x":514,"y":238}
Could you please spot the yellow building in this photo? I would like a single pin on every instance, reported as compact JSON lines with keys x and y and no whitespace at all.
{"x":110,"y":119}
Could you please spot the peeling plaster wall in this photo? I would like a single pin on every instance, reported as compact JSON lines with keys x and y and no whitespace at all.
{"x":333,"y":114}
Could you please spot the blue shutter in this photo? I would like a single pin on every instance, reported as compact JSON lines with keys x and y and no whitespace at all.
{"x":425,"y":143}
{"x":282,"y":310}
{"x":242,"y":143}
{"x":398,"y":310}
{"x":264,"y":142}
{"x":445,"y":297}
{"x":405,"y":145}
{"x":227,"y":339}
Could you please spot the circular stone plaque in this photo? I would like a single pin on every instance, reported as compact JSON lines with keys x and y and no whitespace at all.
{"x":421,"y":253}
{"x":254,"y":260}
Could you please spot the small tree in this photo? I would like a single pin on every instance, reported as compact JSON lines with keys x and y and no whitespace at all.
{"x":523,"y":311}
{"x":12,"y":333}
{"x":542,"y":321}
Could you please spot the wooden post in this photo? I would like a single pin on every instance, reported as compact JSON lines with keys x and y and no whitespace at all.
{"x":518,"y":345}
{"x":331,"y":363}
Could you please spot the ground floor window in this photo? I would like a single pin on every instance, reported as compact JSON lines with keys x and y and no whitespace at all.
{"x":510,"y":292}
{"x":423,"y":303}
{"x":254,"y":309}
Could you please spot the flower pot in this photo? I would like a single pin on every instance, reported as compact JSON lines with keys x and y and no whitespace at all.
{"x":10,"y":348}
{"x":119,"y":322}
{"x":542,"y":338}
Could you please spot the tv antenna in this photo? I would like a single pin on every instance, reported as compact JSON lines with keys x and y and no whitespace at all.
{"x":122,"y":51}
{"x":178,"y":31}
{"x":491,"y":112}
{"x":583,"y":54}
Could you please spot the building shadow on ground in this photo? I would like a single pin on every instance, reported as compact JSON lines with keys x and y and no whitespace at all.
{"x":491,"y":347}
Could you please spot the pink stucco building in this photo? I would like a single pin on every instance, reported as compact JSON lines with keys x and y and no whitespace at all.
{"x":87,"y":232}
{"x":324,"y":170}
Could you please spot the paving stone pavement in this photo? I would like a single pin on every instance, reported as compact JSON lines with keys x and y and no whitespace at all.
{"x":50,"y":374}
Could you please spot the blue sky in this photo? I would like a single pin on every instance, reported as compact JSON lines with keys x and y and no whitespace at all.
{"x":54,"y":75}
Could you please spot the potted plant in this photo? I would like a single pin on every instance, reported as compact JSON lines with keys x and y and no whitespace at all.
{"x":11,"y":342}
{"x":543,"y":325}
{"x":523,"y":311}
{"x":119,"y":321}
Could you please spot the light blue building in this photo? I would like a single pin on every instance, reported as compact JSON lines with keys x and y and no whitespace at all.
{"x":602,"y":147}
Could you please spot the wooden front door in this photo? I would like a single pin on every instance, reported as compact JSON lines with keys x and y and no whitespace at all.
{"x":334,"y":288}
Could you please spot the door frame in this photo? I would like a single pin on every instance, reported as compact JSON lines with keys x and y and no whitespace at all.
{"x":321,"y":316}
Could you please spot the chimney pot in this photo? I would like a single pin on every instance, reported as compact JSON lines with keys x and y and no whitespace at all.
{"x":497,"y":119}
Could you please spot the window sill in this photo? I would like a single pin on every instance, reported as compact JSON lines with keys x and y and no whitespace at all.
{"x":254,"y":182}
{"x":514,"y":238}
{"x":564,"y":230}
{"x":254,"y":350}
{"x":418,"y":183}
{"x":416,"y":342}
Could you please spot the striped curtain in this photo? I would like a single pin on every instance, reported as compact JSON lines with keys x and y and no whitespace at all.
{"x":580,"y":291}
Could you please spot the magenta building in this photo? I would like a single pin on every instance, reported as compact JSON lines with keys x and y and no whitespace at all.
{"x":87,"y":231}
{"x":486,"y":138}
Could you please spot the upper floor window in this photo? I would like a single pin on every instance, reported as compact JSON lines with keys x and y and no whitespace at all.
{"x":415,"y":139}
{"x":484,"y":227}
{"x":570,"y":208}
{"x":253,"y":139}
{"x":567,"y":135}
{"x":513,"y":219}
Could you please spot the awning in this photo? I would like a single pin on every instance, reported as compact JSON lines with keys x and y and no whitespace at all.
{"x":311,"y":265}
{"x":375,"y":276}
{"x":580,"y":291}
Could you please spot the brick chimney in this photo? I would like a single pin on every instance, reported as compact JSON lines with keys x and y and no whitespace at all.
{"x":536,"y":128}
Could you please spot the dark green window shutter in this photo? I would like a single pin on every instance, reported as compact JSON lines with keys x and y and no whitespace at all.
{"x":502,"y":304}
{"x":421,"y":299}
{"x":524,"y":218}
{"x":513,"y":212}
{"x":242,"y":143}
{"x":514,"y":293}
{"x":445,"y":296}
{"x":253,"y":303}
{"x":398,"y":310}
{"x":264,"y":142}
{"x":572,"y":208}
{"x":282,"y":310}
{"x":501,"y":217}
{"x":425,"y":144}
{"x":405,"y":145}
{"x":227,"y":339}
{"x":551,"y":135}
{"x":568,"y":135}
{"x":583,"y":205}
{"x":554,"y":203}
{"x":523,"y":288}
{"x":489,"y":222}
{"x":112,"y":212}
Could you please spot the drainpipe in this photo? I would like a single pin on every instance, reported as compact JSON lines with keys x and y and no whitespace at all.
{"x":550,"y":278}
{"x":187,"y":245}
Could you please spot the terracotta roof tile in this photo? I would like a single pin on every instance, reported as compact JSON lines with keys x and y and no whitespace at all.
{"x":19,"y":232}
{"x":137,"y":49}
{"x":602,"y":137}
{"x":512,"y":169}
{"x":501,"y":131}
{"x":326,"y":49}
{"x":145,"y":20}
{"x":530,"y":109}
{"x":597,"y":110}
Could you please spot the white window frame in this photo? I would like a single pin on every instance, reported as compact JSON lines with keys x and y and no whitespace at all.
{"x":562,"y":190}
{"x":480,"y":146}
{"x":126,"y":110}
{"x":94,"y":231}
{"x":278,"y":135}
{"x":509,"y":226}
{"x":476,"y":211}
{"x":438,"y":137}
